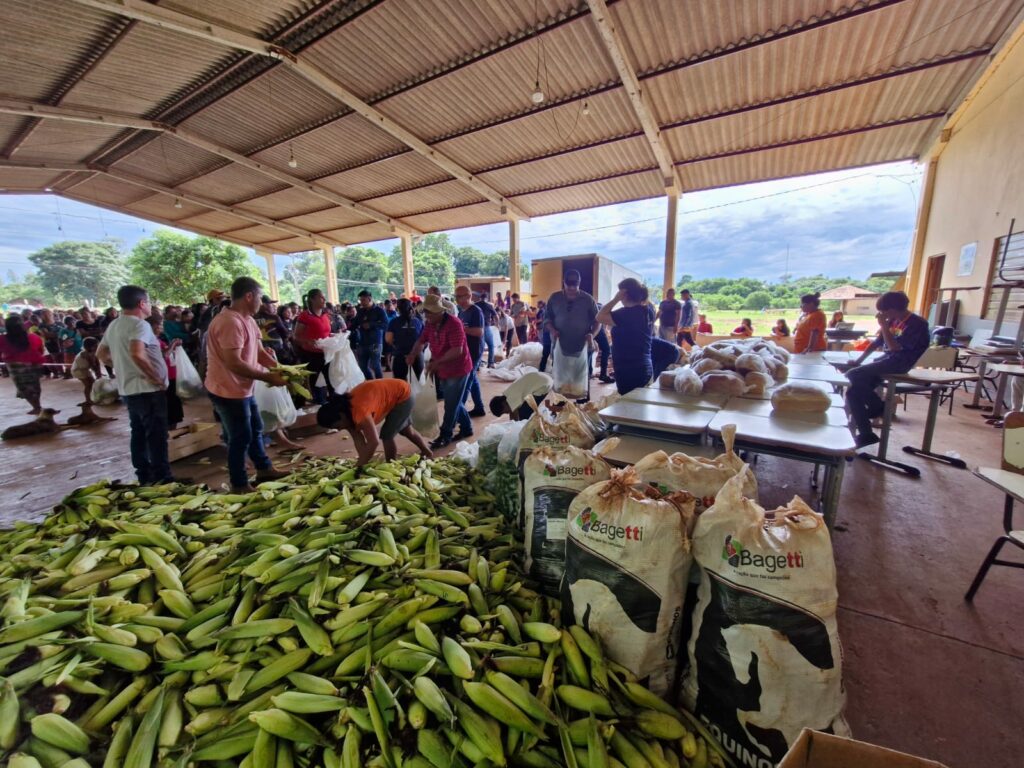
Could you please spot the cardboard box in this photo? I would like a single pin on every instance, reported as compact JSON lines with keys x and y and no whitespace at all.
{"x":814,"y":749}
{"x":192,"y":439}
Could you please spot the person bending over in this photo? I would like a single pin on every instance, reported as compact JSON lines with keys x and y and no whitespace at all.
{"x":368,"y":404}
{"x":514,"y":401}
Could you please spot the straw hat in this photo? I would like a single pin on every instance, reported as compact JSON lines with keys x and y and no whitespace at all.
{"x":432,"y":303}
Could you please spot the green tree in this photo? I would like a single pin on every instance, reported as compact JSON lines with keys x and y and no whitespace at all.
{"x":359,"y":267}
{"x":177,"y":269}
{"x":81,"y":270}
{"x":757,"y":300}
{"x":28,"y":289}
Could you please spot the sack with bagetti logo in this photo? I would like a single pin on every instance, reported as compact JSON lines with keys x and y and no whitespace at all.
{"x":558,"y":428}
{"x":551,"y":480}
{"x":765,"y":660}
{"x":697,"y":475}
{"x":627,"y":554}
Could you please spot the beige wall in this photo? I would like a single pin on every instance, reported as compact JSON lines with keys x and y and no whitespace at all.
{"x":979,"y":184}
{"x":860,"y":306}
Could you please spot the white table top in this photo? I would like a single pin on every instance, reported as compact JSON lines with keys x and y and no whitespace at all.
{"x":800,"y":435}
{"x":823,"y":373}
{"x":658,"y":396}
{"x":1007,"y":368}
{"x":834,"y":416}
{"x":631,"y":448}
{"x":837,"y":399}
{"x":930,"y":376}
{"x":663,"y":418}
{"x":1006,"y":481}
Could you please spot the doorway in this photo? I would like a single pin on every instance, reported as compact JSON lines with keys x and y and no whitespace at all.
{"x":932,"y":283}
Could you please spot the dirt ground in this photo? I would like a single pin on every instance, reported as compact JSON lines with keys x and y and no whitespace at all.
{"x":924,"y":671}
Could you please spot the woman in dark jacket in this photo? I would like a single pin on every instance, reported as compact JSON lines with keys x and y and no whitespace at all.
{"x":401,"y":336}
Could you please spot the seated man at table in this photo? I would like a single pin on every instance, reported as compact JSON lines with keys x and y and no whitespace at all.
{"x":903,"y":337}
{"x":514,"y":401}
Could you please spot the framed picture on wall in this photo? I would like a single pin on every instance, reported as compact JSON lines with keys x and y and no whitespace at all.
{"x":967,"y":254}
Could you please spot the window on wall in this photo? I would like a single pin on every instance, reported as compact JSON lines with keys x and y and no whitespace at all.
{"x":1006,"y":270}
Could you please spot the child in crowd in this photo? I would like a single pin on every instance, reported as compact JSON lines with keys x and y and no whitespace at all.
{"x":744,"y":330}
{"x":86,"y":366}
{"x":781,"y":330}
{"x":70,"y":341}
{"x":704,"y":326}
{"x":175,"y":408}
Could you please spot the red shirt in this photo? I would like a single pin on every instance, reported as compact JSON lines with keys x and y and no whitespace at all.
{"x":316,"y":326}
{"x":444,"y":336}
{"x":31,"y":355}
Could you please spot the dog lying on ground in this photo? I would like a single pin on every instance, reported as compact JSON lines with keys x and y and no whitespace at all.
{"x":87,"y":417}
{"x":41,"y":425}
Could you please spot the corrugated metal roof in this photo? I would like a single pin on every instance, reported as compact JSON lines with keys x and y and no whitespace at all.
{"x":743,"y":90}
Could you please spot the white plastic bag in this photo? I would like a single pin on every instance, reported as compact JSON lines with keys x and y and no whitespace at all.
{"x":765,"y":659}
{"x":188,"y":384}
{"x":424,"y":406}
{"x":571,"y":372}
{"x":104,"y":391}
{"x":627,"y":554}
{"x":467,"y":452}
{"x":276,"y":407}
{"x":508,"y":447}
{"x":341,"y":366}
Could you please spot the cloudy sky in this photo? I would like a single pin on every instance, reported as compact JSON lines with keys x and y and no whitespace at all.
{"x":848,"y":223}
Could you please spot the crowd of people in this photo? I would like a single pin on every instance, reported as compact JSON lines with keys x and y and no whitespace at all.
{"x":238,"y":338}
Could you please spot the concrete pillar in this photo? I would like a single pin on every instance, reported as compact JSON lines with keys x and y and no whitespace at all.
{"x":272,"y":287}
{"x":331,"y":273}
{"x":513,"y":254}
{"x":408,"y":281}
{"x":671,"y":218}
{"x":924,"y":212}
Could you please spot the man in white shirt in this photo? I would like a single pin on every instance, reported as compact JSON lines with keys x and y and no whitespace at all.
{"x":514,"y":401}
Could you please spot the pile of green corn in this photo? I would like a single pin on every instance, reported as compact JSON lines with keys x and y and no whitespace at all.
{"x":369,"y":617}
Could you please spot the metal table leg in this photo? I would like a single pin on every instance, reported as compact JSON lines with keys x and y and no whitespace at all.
{"x":997,"y":406}
{"x":830,"y":491}
{"x":883,"y":446}
{"x":975,"y":404}
{"x":929,"y":432}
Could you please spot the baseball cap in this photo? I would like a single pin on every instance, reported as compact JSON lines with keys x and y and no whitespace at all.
{"x":214,"y":295}
{"x":267,"y":300}
{"x":572,"y":277}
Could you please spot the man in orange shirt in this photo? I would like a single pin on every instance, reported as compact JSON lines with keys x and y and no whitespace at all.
{"x":368,"y":404}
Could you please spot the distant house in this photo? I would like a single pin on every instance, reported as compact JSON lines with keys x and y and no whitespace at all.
{"x":852,"y":300}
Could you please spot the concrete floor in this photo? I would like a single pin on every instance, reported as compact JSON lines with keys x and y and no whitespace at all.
{"x":925,"y":672}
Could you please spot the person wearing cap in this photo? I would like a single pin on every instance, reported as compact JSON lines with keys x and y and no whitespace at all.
{"x":387,"y":402}
{"x":571,"y":317}
{"x":273,"y":331}
{"x":214,"y":298}
{"x":450,"y":363}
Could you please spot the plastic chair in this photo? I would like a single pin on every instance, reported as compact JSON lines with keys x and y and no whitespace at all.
{"x":1010,"y":480}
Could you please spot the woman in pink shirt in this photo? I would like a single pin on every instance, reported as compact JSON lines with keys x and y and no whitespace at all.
{"x":312,"y":324}
{"x":450,"y":362}
{"x":236,"y":359}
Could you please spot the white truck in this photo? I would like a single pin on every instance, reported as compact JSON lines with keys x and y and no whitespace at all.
{"x":599,"y":275}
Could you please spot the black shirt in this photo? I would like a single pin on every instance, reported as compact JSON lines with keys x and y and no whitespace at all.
{"x":473,"y":317}
{"x":490,"y":315}
{"x":914,"y":338}
{"x":631,"y":336}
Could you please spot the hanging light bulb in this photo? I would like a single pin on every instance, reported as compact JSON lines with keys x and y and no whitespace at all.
{"x":586,"y":108}
{"x":538,"y":95}
{"x":177,"y":203}
{"x":292,"y":162}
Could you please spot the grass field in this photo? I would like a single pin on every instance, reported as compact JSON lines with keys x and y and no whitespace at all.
{"x":724,"y":320}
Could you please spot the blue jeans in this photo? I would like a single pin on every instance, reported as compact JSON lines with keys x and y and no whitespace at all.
{"x":454,"y":392}
{"x":489,"y":341}
{"x":473,"y":388}
{"x":369,"y":361}
{"x":241,"y":421}
{"x":147,"y":416}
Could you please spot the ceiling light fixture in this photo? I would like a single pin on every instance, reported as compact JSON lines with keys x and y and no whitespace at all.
{"x":586,"y":108}
{"x":177,"y":203}
{"x":537,"y":96}
{"x":292,"y":162}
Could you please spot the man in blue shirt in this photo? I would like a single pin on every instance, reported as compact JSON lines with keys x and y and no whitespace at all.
{"x":904,"y":336}
{"x":390,"y":313}
{"x":371,"y":322}
{"x":472,"y":318}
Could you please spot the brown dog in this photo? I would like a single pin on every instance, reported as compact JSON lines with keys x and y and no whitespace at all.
{"x":87,"y":416}
{"x":43,"y":424}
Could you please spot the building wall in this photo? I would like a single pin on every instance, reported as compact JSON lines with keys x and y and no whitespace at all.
{"x":979,"y":184}
{"x":865,"y":306}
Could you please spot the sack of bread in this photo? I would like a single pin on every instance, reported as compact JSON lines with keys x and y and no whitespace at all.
{"x":800,"y":397}
{"x":723,"y":382}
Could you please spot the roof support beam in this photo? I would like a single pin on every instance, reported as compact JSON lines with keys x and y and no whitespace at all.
{"x":671,"y":227}
{"x":98,"y":117}
{"x":191,"y":25}
{"x":615,"y":47}
{"x":139,"y":181}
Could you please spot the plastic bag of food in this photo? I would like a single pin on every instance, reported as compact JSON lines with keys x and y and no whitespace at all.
{"x":800,"y":397}
{"x":723,"y":382}
{"x":104,"y":391}
{"x":425,"y":419}
{"x":276,"y":406}
{"x":758,"y":383}
{"x":570,"y":373}
{"x":508,"y":447}
{"x":750,"y":361}
{"x":697,"y":475}
{"x":551,"y":480}
{"x":547,"y":430}
{"x":627,"y":555}
{"x":781,"y":372}
{"x":189,"y":384}
{"x":687,"y":382}
{"x":467,"y":452}
{"x":706,"y":365}
{"x":340,"y":364}
{"x":765,"y":659}
{"x":489,"y":441}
